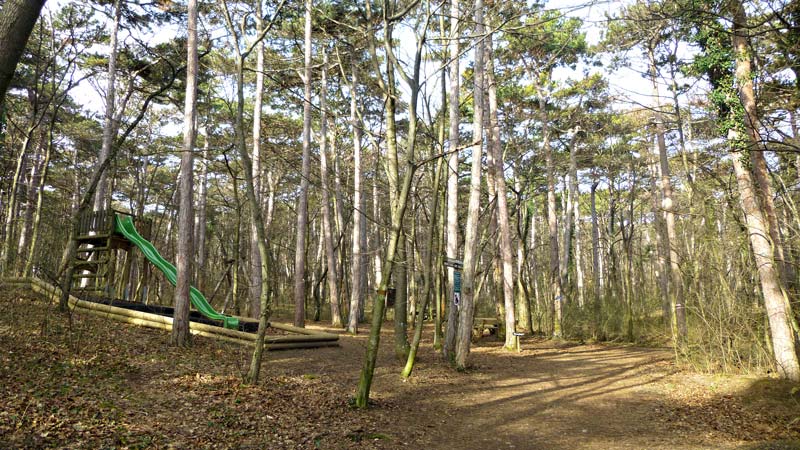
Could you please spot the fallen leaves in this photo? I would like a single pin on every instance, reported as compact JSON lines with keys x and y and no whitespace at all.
{"x":103,"y":384}
{"x":99,"y":384}
{"x":726,"y":409}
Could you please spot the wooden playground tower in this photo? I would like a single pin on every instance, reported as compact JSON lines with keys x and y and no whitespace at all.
{"x":98,"y":248}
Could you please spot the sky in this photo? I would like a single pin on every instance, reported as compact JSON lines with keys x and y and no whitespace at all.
{"x":626,"y":84}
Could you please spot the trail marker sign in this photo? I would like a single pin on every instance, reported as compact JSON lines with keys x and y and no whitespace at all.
{"x":457,"y":265}
{"x":454,"y":263}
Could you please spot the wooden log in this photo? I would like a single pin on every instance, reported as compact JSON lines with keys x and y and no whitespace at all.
{"x":269,"y":344}
{"x":293,"y":329}
{"x":287,"y":346}
{"x":41,"y":287}
{"x":156,"y":324}
{"x":306,"y":340}
{"x":301,"y":338}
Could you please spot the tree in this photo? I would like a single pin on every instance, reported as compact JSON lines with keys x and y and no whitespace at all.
{"x":102,"y":197}
{"x":359,"y":220}
{"x":451,"y":234}
{"x":466,"y":306}
{"x":327,"y":223}
{"x":17,"y":19}
{"x":46,"y":77}
{"x":647,"y":28}
{"x":502,"y":201}
{"x":399,"y":201}
{"x":185,"y":255}
{"x":554,"y":41}
{"x":428,"y":271}
{"x":256,"y":282}
{"x":302,"y":201}
{"x":265,"y":308}
{"x":779,"y":313}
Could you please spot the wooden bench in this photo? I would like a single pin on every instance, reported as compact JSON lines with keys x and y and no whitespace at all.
{"x":483,"y":325}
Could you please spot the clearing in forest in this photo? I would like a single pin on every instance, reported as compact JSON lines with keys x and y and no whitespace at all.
{"x":97,"y":383}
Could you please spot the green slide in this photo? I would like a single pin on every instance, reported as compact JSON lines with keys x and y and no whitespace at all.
{"x":124,"y":225}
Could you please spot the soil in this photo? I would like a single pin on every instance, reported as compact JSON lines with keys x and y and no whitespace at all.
{"x":88,"y":383}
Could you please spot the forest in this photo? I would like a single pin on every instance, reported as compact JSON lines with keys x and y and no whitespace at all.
{"x":432,"y":186}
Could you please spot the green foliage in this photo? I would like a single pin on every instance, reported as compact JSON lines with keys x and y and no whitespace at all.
{"x":550,"y":40}
{"x":716,"y":63}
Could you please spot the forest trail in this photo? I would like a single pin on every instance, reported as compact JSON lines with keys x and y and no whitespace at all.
{"x":105,"y":384}
{"x":562,"y":396}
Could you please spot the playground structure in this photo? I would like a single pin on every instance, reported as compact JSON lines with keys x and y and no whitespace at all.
{"x":100,"y":236}
{"x":95,"y":257}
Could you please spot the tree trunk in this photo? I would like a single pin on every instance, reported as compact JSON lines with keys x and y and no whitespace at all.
{"x":302,"y":204}
{"x":102,"y":198}
{"x":17,"y":19}
{"x":438,"y":309}
{"x":377,"y":238}
{"x":779,"y":313}
{"x":255,"y":259}
{"x":752,"y":123}
{"x":34,"y":180}
{"x":341,"y":225}
{"x":597,"y":273}
{"x":552,"y":226}
{"x":393,"y":175}
{"x":502,"y":202}
{"x":401,"y":345}
{"x":523,"y":293}
{"x":399,"y":198}
{"x":494,"y":283}
{"x":201,"y":215}
{"x":576,"y":217}
{"x":427,"y":268}
{"x":327,"y":223}
{"x":359,"y":220}
{"x":37,"y":216}
{"x":662,"y":250}
{"x":570,"y":195}
{"x":668,"y":205}
{"x":466,"y":308}
{"x":185,"y":255}
{"x":378,"y":310}
{"x":579,"y":277}
{"x":451,"y":232}
{"x":11,"y":209}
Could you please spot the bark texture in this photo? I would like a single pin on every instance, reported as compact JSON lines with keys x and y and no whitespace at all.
{"x":359,"y":221}
{"x":466,"y":307}
{"x":327,"y":223}
{"x":302,"y":202}
{"x":451,"y":234}
{"x":256,"y":280}
{"x":502,"y":202}
{"x":779,"y":313}
{"x":17,"y":19}
{"x":185,"y":256}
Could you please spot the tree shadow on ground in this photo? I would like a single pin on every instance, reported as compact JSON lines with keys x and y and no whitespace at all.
{"x":576,"y":397}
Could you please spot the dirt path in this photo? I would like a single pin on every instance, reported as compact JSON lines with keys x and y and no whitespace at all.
{"x":100,"y":384}
{"x":566,"y":396}
{"x":582,"y":397}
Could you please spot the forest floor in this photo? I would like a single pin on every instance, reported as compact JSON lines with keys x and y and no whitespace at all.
{"x":98,"y":384}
